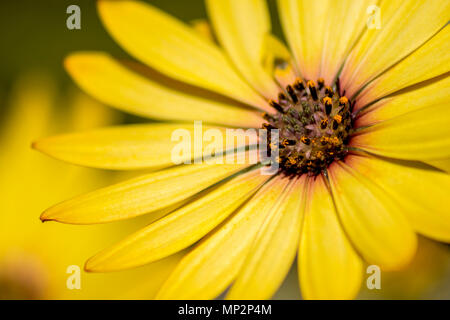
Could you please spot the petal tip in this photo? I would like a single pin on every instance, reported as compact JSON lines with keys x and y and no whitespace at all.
{"x":72,"y":61}
{"x":35,"y":145}
{"x":69,"y":61}
{"x":39,"y":145}
{"x":94,"y":265}
{"x":88,"y":267}
{"x":44,"y":217}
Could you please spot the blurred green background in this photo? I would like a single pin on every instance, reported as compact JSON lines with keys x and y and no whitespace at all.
{"x":35,"y":37}
{"x":34,"y":34}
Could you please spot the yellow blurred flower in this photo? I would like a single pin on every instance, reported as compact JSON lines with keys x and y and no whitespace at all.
{"x":363,"y":120}
{"x":34,"y":258}
{"x":426,"y":277}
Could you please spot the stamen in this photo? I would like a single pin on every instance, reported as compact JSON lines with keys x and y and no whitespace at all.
{"x":288,"y":142}
{"x":312,"y":89}
{"x":291,"y":92}
{"x":338,"y":86}
{"x":276,"y":106}
{"x":338,"y":118}
{"x":328,"y":105}
{"x":329,"y":91}
{"x":343,"y":101}
{"x":314,"y":126}
{"x":335,"y":124}
{"x":321,"y":83}
{"x":268,"y":126}
{"x":305,"y":140}
{"x":298,"y":85}
{"x":282,"y":97}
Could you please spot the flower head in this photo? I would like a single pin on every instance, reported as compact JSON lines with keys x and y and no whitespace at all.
{"x":362,"y":116}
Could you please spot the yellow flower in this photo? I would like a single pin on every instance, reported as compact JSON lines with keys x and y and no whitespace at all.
{"x":348,"y":191}
{"x":34,"y":258}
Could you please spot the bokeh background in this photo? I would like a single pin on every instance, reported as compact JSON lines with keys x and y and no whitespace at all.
{"x":37,"y":99}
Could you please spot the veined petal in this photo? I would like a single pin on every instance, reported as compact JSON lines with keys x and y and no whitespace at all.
{"x":174,"y":49}
{"x":345,"y":20}
{"x":112,"y":83}
{"x":422,"y":134}
{"x":210,"y":267}
{"x":145,"y":194}
{"x":429,"y":61}
{"x":179,"y":229}
{"x":285,"y":74}
{"x":372,"y":220}
{"x":325,"y":247}
{"x":429,"y":95}
{"x":405,"y":26}
{"x":130,"y":147}
{"x":242,"y":27}
{"x":422,"y":193}
{"x":274,"y":248}
{"x":303,"y":25}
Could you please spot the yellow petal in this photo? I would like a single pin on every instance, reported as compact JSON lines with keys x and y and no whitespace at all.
{"x":344,"y":22}
{"x":427,"y":95}
{"x":169,"y":46}
{"x":285,"y":74}
{"x":275,"y":50}
{"x":328,"y":266}
{"x":203,"y":28}
{"x":111,"y":82}
{"x":211,"y":266}
{"x":422,"y":193}
{"x":139,"y":146}
{"x":405,"y":26}
{"x":372,"y":220}
{"x":278,"y":61}
{"x":443,"y":164}
{"x":145,"y":194}
{"x":274,"y":248}
{"x":303,"y":25}
{"x":422,"y":134}
{"x":179,"y":229}
{"x":242,"y":27}
{"x":429,"y":61}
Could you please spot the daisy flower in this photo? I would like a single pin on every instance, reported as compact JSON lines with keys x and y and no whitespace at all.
{"x":364,"y":153}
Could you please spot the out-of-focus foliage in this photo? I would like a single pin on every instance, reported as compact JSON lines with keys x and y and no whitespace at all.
{"x":34,"y":34}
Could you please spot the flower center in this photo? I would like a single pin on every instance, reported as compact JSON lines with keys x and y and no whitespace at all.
{"x":314,"y":123}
